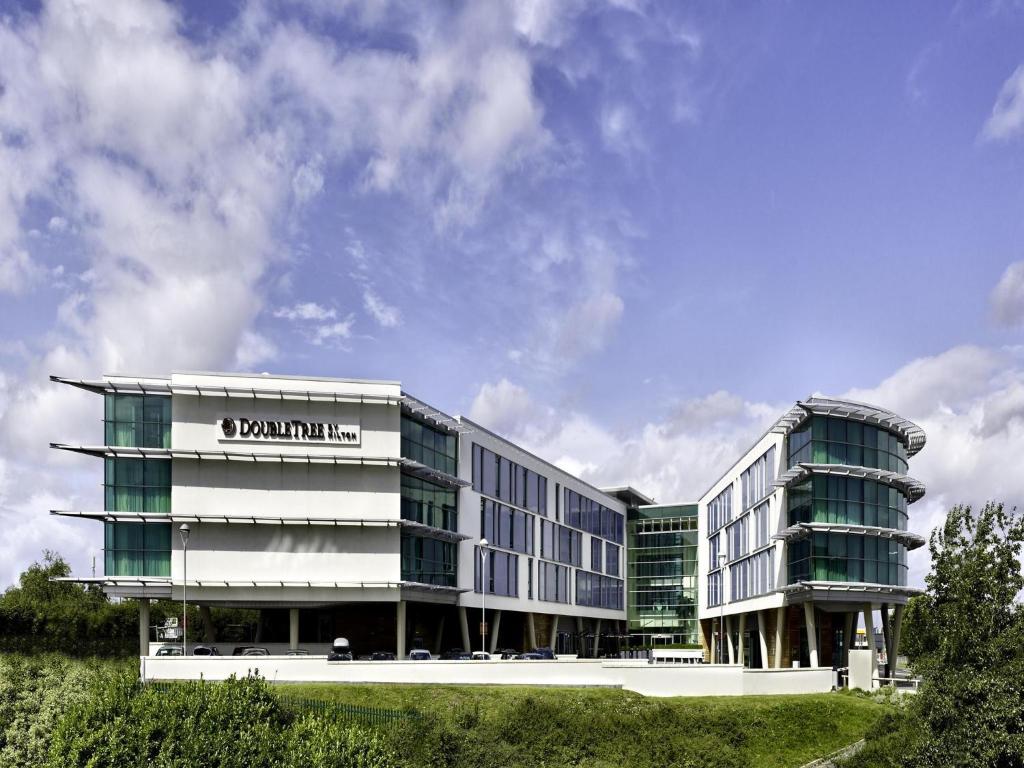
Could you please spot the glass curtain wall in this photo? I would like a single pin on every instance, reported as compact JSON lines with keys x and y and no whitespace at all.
{"x":831,"y":440}
{"x":433,"y":447}
{"x":847,"y":557}
{"x":137,"y":549}
{"x":429,"y":503}
{"x":137,"y":421}
{"x":428,"y":561}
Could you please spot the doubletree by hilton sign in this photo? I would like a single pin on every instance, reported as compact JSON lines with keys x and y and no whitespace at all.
{"x":293,"y":431}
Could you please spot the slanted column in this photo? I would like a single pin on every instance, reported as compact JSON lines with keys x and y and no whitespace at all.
{"x":531,"y":630}
{"x":293,"y":628}
{"x":812,"y":632}
{"x":597,"y":638}
{"x":869,"y":631}
{"x":714,"y":641}
{"x":780,"y":625}
{"x":728,"y":640}
{"x":849,"y":633}
{"x":143,"y":626}
{"x":439,"y":636}
{"x":209,"y":633}
{"x":554,"y":632}
{"x":741,"y":639}
{"x":894,"y":631}
{"x":886,"y":637}
{"x":464,"y":627}
{"x":762,"y":636}
{"x":494,"y":632}
{"x":400,"y":629}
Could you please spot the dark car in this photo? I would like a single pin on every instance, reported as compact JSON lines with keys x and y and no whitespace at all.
{"x":544,"y":653}
{"x":205,"y":650}
{"x":456,"y":654}
{"x":169,"y":650}
{"x":382,"y":656}
{"x":340,"y":650}
{"x":529,"y":656}
{"x":254,"y":651}
{"x":240,"y":650}
{"x":297,"y":652}
{"x":509,"y":653}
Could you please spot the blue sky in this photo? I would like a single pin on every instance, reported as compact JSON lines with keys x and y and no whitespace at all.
{"x":629,"y":234}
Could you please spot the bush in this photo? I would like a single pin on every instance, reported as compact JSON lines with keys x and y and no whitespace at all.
{"x":320,"y":743}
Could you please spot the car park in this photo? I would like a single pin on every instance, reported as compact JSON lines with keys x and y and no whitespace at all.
{"x":254,"y":651}
{"x":544,"y":653}
{"x":529,"y":656}
{"x":169,"y":650}
{"x":456,"y":654}
{"x":509,"y":653}
{"x":340,"y":650}
{"x":205,"y":650}
{"x":418,"y":654}
{"x":382,"y":656}
{"x":240,"y":650}
{"x":481,"y":656}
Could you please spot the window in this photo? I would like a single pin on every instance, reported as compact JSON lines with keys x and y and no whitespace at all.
{"x":137,"y":421}
{"x":720,"y":510}
{"x":597,"y":554}
{"x":828,"y":556}
{"x":832,"y":440}
{"x":715,"y":589}
{"x":561,"y":543}
{"x":593,"y":518}
{"x":756,"y":481}
{"x":502,"y":572}
{"x":430,"y":504}
{"x":137,"y":485}
{"x":739,"y":580}
{"x":739,"y":542}
{"x":597,"y":591}
{"x":714,"y":550}
{"x":137,"y":549}
{"x":429,"y":561}
{"x":762,"y":572}
{"x":761,"y":524}
{"x":529,"y":578}
{"x":429,"y":445}
{"x":611,"y":560}
{"x":849,"y":501}
{"x":553,"y":582}
{"x":502,"y":479}
{"x":506,"y":527}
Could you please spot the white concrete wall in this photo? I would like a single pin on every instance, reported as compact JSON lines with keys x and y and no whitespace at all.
{"x":643,"y":678}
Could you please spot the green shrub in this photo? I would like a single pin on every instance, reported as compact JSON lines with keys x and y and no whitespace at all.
{"x":323,"y":743}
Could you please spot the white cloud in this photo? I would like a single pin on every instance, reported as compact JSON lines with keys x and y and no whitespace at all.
{"x":387,"y":316}
{"x":18,"y":271}
{"x":308,"y":180}
{"x":306,"y":310}
{"x":1007,"y":298}
{"x":333,"y":331}
{"x":253,"y":349}
{"x":620,"y":130}
{"x":57,"y":224}
{"x":1007,"y":118}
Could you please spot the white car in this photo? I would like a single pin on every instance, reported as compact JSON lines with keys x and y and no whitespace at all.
{"x":419,"y":655}
{"x":481,"y":656}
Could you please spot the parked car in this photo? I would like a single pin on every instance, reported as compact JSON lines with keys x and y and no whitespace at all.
{"x":481,"y":656}
{"x":456,"y":654}
{"x":509,"y":653}
{"x":382,"y":656}
{"x":340,"y":650}
{"x":418,"y":654}
{"x":169,"y":650}
{"x":206,"y":650}
{"x":529,"y":656}
{"x":240,"y":650}
{"x":297,"y":652}
{"x":544,"y":653}
{"x":254,"y":651}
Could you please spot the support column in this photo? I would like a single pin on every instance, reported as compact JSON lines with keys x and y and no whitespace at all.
{"x":714,"y":641}
{"x":400,"y":629}
{"x":728,"y":640}
{"x":464,"y":627}
{"x":209,"y":633}
{"x":762,"y":636}
{"x":554,"y":632}
{"x":812,"y":633}
{"x":894,"y":630}
{"x":741,"y":639}
{"x":259,"y":626}
{"x":597,"y":638}
{"x":780,"y":624}
{"x":886,"y":638}
{"x":494,"y":632}
{"x":143,"y":626}
{"x":869,"y":632}
{"x":531,"y":630}
{"x":439,"y":636}
{"x":849,"y":633}
{"x":293,"y":628}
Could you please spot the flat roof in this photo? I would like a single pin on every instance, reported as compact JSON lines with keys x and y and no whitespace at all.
{"x":265,"y":375}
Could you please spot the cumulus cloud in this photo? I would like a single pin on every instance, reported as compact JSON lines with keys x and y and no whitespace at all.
{"x":1007,"y":118}
{"x":1007,"y":298}
{"x":17,"y":271}
{"x":386,"y":315}
{"x":333,"y":332}
{"x":306,"y":310}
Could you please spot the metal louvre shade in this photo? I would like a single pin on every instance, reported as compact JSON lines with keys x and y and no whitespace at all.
{"x":912,"y":488}
{"x":249,"y":456}
{"x":912,"y":435}
{"x":422,"y":471}
{"x":799,"y":531}
{"x":848,"y":587}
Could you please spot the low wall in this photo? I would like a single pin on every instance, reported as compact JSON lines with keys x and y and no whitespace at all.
{"x":639,"y":676}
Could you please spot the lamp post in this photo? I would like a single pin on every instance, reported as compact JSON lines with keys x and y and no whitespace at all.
{"x":721,"y":608}
{"x":184,"y":530}
{"x":483,"y":595}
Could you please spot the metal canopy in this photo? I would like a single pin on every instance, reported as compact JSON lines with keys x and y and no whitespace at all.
{"x":422,"y":471}
{"x":802,"y":530}
{"x":850,"y":587}
{"x":910,"y":433}
{"x":418,"y":408}
{"x":118,"y":581}
{"x":912,"y":488}
{"x":153,"y":388}
{"x":248,"y":456}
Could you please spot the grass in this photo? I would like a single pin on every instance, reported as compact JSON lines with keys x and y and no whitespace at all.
{"x":474,"y":726}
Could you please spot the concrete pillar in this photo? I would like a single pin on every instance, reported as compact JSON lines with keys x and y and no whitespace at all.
{"x":436,"y":650}
{"x":494,"y":632}
{"x":400,"y":629}
{"x":762,"y":636}
{"x":849,"y":633}
{"x":259,"y":625}
{"x":894,"y":631}
{"x":741,"y":638}
{"x":869,"y":632}
{"x":886,"y":637}
{"x":714,"y":641}
{"x":464,"y":627}
{"x":143,"y":626}
{"x":780,"y":628}
{"x":531,"y":630}
{"x":209,"y":633}
{"x":597,"y":638}
{"x":728,"y":640}
{"x":293,"y":628}
{"x":554,"y":632}
{"x":812,"y":632}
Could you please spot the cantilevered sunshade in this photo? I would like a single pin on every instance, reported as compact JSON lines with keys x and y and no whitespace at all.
{"x":417,"y":407}
{"x":910,"y":433}
{"x":913,"y":489}
{"x":246,"y":456}
{"x":422,"y":471}
{"x":802,"y":530}
{"x":855,"y":589}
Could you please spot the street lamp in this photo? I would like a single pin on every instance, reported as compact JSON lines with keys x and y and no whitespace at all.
{"x":184,"y":530}
{"x":721,"y":608}
{"x":483,"y":596}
